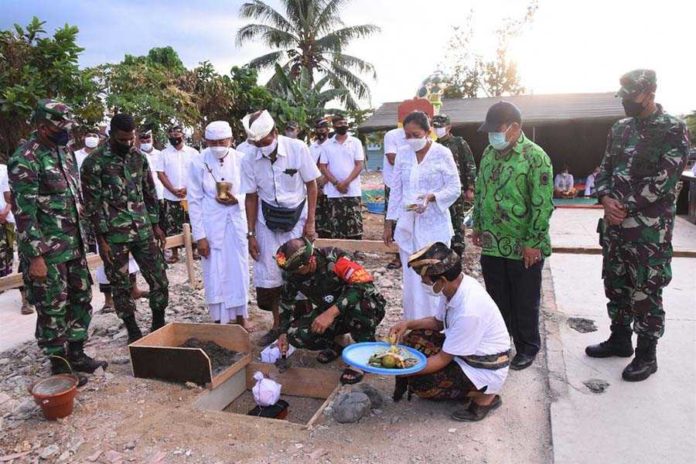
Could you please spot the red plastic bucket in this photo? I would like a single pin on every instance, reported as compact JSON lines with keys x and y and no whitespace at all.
{"x":55,"y":395}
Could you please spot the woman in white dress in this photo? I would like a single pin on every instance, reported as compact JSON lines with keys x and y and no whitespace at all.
{"x":218,"y":220}
{"x":425,"y":183}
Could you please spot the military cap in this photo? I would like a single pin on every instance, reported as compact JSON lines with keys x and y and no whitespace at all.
{"x":636,"y":82}
{"x":433,"y":259}
{"x":292,"y":125}
{"x":57,"y":113}
{"x":290,"y":258}
{"x":441,"y":120}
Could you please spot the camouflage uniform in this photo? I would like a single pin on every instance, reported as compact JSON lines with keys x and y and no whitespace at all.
{"x":46,"y":201}
{"x":641,"y":167}
{"x":121,"y":203}
{"x":6,"y":248}
{"x":336,"y":281}
{"x":345,"y":217}
{"x":464,"y":159}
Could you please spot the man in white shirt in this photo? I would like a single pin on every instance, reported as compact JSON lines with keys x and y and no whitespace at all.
{"x":7,"y":234}
{"x":172,"y":170}
{"x":147,"y":146}
{"x":590,"y":189}
{"x":91,"y":142}
{"x":393,"y":139}
{"x":279,"y":179}
{"x":323,"y":215}
{"x":564,"y":184}
{"x":467,"y":344}
{"x":341,"y":162}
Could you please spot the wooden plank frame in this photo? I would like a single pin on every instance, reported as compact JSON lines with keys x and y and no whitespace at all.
{"x":296,"y":381}
{"x":160,"y":356}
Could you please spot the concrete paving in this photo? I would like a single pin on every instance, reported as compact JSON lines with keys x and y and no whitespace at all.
{"x":644,"y":422}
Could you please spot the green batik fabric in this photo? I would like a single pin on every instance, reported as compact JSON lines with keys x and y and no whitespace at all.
{"x":514,"y":200}
{"x":46,"y":195}
{"x":120,"y":197}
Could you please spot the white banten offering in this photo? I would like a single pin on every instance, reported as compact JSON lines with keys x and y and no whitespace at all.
{"x":266,"y":391}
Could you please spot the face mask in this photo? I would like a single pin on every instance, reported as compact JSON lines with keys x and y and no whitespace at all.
{"x":146,"y":146}
{"x":60,"y":138}
{"x":268,"y":149}
{"x":175,"y":141}
{"x":219,"y":152}
{"x":417,"y":144}
{"x":341,"y":130}
{"x":440,"y":132}
{"x":121,"y":148}
{"x":430,"y":291}
{"x":91,"y":142}
{"x":631,"y":108}
{"x":497,"y":140}
{"x":321,"y":136}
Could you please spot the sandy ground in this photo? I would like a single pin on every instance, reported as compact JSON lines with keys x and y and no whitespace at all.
{"x":119,"y":418}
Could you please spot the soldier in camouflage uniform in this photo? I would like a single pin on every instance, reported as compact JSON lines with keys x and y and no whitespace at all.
{"x":464,"y":159}
{"x":46,"y":206}
{"x":121,"y":203}
{"x":341,"y":299}
{"x":646,"y":153}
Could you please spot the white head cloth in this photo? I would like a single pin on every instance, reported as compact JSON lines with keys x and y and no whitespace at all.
{"x":261,"y":127}
{"x":218,"y":130}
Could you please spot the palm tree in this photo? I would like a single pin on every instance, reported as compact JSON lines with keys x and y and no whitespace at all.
{"x":312,"y":36}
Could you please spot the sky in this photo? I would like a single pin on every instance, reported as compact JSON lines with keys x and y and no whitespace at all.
{"x":570,"y":46}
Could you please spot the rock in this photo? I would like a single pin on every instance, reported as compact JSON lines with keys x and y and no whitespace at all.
{"x":26,"y":406}
{"x":49,"y":451}
{"x":129,"y":446}
{"x":120,"y":360}
{"x":94,"y":456}
{"x":65,"y":456}
{"x":191,"y":385}
{"x":113,"y":456}
{"x":596,"y":385}
{"x":351,"y":407}
{"x":102,"y":323}
{"x":99,"y":372}
{"x":395,"y":419}
{"x":4,"y":361}
{"x":582,"y":325}
{"x":121,"y":334}
{"x":376,"y":398}
{"x":386,"y":283}
{"x":451,"y":430}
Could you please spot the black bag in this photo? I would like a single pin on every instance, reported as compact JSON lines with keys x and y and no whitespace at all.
{"x":279,"y":219}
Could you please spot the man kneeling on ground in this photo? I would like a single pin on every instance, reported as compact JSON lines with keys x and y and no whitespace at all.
{"x":341,"y":299}
{"x":467,"y":344}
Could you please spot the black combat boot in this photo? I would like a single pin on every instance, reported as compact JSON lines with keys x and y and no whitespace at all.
{"x":61,"y":365}
{"x":618,"y":344}
{"x":80,"y":361}
{"x":134,"y":332}
{"x":157,"y":320}
{"x":644,"y":364}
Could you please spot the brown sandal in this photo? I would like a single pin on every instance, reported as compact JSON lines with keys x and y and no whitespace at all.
{"x":475,"y":412}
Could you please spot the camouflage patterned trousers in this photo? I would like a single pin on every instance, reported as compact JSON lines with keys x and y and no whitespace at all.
{"x":359,"y":320}
{"x":322,"y":216}
{"x":345,"y":216}
{"x":62,"y":303}
{"x":6,"y":248}
{"x":151,"y":262}
{"x":457,"y":212}
{"x":634,"y":275}
{"x":174,"y":217}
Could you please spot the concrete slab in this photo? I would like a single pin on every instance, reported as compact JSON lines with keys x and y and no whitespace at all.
{"x":629,"y":422}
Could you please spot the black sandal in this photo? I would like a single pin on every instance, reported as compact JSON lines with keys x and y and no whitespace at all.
{"x":329,"y":354}
{"x":395,"y":263}
{"x":475,"y":412}
{"x":351,"y":376}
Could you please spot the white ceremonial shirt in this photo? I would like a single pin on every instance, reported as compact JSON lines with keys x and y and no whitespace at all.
{"x":5,"y":187}
{"x":176,"y":164}
{"x":80,"y":156}
{"x":245,"y":147}
{"x":436,"y":174}
{"x":393,"y":140}
{"x":315,"y":149}
{"x":564,"y":181}
{"x":474,"y":326}
{"x":340,"y":159}
{"x":281,"y":183}
{"x":589,"y":185}
{"x":153,"y":161}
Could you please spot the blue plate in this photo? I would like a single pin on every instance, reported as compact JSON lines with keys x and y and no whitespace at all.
{"x":358,"y":355}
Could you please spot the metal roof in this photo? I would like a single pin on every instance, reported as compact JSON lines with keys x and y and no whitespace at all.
{"x":535,"y":109}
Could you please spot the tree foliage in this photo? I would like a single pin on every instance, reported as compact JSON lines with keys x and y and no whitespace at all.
{"x":309,"y":35}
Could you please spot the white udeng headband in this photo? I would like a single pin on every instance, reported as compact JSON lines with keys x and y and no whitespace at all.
{"x":261,"y":127}
{"x":218,"y":130}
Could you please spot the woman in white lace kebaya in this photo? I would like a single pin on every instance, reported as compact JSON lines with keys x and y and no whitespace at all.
{"x":425,"y":183}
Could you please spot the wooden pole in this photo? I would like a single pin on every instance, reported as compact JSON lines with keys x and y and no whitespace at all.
{"x":188,"y":244}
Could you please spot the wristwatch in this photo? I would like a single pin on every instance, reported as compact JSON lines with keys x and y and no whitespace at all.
{"x":251,"y":234}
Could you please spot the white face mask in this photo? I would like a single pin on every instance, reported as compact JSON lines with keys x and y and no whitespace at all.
{"x":91,"y":142}
{"x":219,"y":152}
{"x":417,"y":144}
{"x":430,"y":291}
{"x":267,"y":150}
{"x":440,"y":132}
{"x":146,"y":146}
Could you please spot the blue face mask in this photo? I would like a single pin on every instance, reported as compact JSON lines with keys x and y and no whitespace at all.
{"x":497,"y":140}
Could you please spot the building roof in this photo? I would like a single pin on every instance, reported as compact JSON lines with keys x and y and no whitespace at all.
{"x":535,"y":109}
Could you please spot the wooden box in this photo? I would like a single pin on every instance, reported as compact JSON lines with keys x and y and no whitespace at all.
{"x":297,"y":382}
{"x":159,"y":355}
